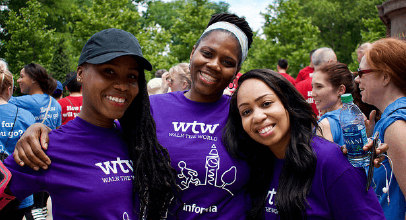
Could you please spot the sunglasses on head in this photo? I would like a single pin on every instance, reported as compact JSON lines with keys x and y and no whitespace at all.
{"x":362,"y":72}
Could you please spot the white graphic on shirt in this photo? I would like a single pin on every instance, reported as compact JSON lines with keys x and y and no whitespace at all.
{"x":271,"y":193}
{"x":107,"y":167}
{"x":310,"y":98}
{"x":8,"y":126}
{"x":189,"y":176}
{"x":110,"y":168}
{"x":271,"y":198}
{"x":125,"y":216}
{"x":204,"y":128}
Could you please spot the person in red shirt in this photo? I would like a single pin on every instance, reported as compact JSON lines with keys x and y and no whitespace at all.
{"x":305,"y":72}
{"x":320,"y":57}
{"x":72,"y":104}
{"x":282,"y":67}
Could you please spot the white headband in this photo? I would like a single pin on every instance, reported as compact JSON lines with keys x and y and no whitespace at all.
{"x":238,"y":33}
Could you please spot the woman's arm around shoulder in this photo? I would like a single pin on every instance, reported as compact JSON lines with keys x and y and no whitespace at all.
{"x":30,"y":147}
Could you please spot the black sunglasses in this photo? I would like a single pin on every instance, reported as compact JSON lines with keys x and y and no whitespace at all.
{"x":362,"y":72}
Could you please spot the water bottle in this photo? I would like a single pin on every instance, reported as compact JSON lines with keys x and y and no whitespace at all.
{"x":355,"y":136}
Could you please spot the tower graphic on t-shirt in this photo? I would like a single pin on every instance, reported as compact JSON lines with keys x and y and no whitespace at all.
{"x":212,"y":164}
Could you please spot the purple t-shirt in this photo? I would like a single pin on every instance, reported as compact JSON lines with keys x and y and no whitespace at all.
{"x":338,"y":189}
{"x":90,"y":176}
{"x":211,"y":181}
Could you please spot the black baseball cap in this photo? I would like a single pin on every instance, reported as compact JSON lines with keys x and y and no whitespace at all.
{"x":112,"y":43}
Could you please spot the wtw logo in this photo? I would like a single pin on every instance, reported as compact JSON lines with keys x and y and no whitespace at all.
{"x":112,"y":166}
{"x":204,"y":128}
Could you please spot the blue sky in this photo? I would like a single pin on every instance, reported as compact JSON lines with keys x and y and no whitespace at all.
{"x":250,"y":10}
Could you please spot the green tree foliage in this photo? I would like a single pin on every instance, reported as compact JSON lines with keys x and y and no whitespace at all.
{"x":162,"y":13}
{"x":8,"y":5}
{"x":52,"y":32}
{"x":185,"y":20}
{"x":286,"y":34}
{"x":103,"y":14}
{"x":374,"y":30}
{"x":31,"y":40}
{"x":340,"y":22}
{"x":189,"y":25}
{"x":60,"y":64}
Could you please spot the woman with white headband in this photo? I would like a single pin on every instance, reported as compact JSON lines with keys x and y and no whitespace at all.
{"x":189,"y":124}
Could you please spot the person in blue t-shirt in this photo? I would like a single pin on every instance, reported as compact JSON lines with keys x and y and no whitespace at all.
{"x":13,"y":121}
{"x":329,"y":82}
{"x":39,"y":86}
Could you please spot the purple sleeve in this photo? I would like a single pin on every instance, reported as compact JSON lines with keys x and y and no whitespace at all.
{"x":348,"y":198}
{"x":24,"y":180}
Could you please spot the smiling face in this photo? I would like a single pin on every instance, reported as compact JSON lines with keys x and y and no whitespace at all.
{"x":25,"y":82}
{"x":213,"y":64}
{"x":370,"y":84}
{"x":108,"y":89}
{"x":263,"y":116}
{"x":325,"y":96}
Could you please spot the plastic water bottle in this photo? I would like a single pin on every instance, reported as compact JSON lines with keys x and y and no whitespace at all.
{"x":355,"y":137}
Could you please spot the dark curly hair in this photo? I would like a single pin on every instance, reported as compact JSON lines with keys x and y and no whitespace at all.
{"x":300,"y":160}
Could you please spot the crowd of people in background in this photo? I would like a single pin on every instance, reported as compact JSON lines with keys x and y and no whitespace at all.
{"x":203,"y":140}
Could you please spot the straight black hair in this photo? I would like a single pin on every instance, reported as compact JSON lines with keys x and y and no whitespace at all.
{"x":300,"y":161}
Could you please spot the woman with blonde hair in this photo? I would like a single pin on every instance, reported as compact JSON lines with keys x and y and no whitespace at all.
{"x":178,"y":78}
{"x":382,"y":82}
{"x":14,"y":121}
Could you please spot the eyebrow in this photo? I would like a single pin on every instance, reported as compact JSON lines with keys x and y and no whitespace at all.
{"x":137,"y":68}
{"x":228,"y":57}
{"x":255,"y":100}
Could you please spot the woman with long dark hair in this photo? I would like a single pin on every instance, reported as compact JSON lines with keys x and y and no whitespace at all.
{"x":294,"y":174}
{"x":39,"y":86}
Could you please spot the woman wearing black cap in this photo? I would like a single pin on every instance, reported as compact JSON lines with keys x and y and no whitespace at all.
{"x":211,"y":181}
{"x":96,"y":165}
